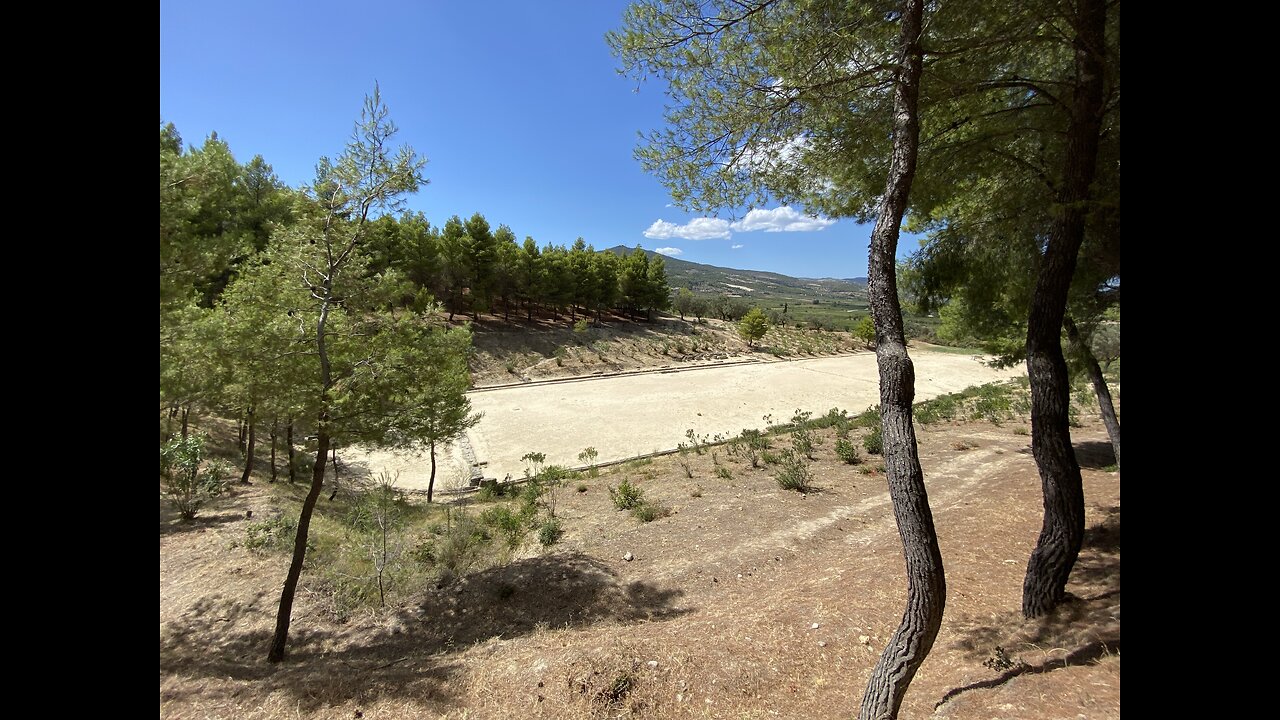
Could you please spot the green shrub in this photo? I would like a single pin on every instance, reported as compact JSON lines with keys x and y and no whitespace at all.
{"x":873,"y":441}
{"x":649,"y":511}
{"x":724,"y":473}
{"x":793,"y":472}
{"x":275,"y":533}
{"x":549,"y":532}
{"x":770,"y":458}
{"x":184,"y":482}
{"x":626,"y":496}
{"x":749,"y":445}
{"x":511,"y":526}
{"x":847,"y":452}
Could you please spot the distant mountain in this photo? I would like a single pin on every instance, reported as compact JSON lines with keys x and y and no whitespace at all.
{"x":757,"y":284}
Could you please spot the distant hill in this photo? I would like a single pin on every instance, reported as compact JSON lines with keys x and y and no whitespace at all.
{"x":754,"y":283}
{"x":830,"y":302}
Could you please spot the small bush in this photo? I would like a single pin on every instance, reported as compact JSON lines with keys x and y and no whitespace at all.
{"x":793,"y":472}
{"x":511,"y":526}
{"x":549,"y":532}
{"x":749,"y":445}
{"x":580,"y":327}
{"x":649,"y":511}
{"x":770,"y":458}
{"x":626,"y":496}
{"x":847,"y":452}
{"x":803,"y":439}
{"x":276,"y":533}
{"x":582,"y":487}
{"x":724,"y":473}
{"x":185,"y":483}
{"x":588,"y":457}
{"x":873,"y":441}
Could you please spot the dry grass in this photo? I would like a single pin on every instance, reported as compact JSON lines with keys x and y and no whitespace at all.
{"x":713,"y":618}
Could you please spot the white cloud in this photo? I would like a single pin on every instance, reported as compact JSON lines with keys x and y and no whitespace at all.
{"x":781,"y":219}
{"x":695,"y":229}
{"x":669,"y":251}
{"x":736,"y":246}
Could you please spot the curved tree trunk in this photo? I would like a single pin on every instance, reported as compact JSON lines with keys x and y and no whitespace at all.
{"x":1063,"y":530}
{"x":285,"y":612}
{"x":431,"y":484}
{"x":250,"y":443}
{"x":1100,"y":390}
{"x":926,"y":584}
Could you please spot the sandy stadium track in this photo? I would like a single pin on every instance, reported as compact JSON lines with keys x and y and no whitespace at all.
{"x":631,"y":415}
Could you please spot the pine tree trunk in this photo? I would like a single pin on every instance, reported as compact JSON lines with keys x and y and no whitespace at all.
{"x":1063,"y":530}
{"x":926,"y":582}
{"x":1099,"y":382}
{"x":275,"y":475}
{"x":241,"y":429}
{"x":431,"y":484}
{"x":285,"y":613}
{"x":249,"y":446}
{"x":186,"y":413}
{"x":288,"y":441}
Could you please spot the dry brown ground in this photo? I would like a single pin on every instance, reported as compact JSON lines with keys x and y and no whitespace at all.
{"x":713,"y":619}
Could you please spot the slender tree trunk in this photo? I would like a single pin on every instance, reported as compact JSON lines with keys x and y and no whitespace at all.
{"x":241,"y":433}
{"x":186,"y":413}
{"x":288,"y":441}
{"x":249,"y":446}
{"x":275,"y":475}
{"x":1100,"y":389}
{"x":1063,"y":530}
{"x":285,"y":612}
{"x":926,"y":583}
{"x":431,"y":484}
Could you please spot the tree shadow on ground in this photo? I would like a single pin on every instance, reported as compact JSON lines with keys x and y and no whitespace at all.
{"x":1095,"y":455}
{"x":407,"y":654}
{"x":1085,"y":627}
{"x":208,"y":517}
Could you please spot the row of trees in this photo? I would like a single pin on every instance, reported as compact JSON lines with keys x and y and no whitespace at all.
{"x":476,"y":269}
{"x":995,"y":126}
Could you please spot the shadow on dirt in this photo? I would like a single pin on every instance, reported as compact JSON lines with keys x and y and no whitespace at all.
{"x":1084,"y":628}
{"x":1095,"y":455}
{"x":406,"y":654}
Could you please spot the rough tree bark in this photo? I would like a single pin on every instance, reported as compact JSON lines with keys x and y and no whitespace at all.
{"x":250,"y":443}
{"x":1080,"y":347}
{"x":1063,"y":530}
{"x":926,"y":584}
{"x":186,"y":413}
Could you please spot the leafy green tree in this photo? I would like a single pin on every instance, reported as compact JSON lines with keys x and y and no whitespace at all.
{"x":683,"y":302}
{"x":866,"y":331}
{"x":633,"y":281}
{"x":605,"y":268}
{"x":366,"y":380}
{"x":657,"y":289}
{"x":531,"y":278}
{"x":753,"y":326}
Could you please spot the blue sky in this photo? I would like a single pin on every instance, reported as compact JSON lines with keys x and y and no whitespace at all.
{"x":516,"y":106}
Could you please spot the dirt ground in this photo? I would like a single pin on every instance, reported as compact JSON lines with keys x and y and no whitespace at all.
{"x":746,"y":602}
